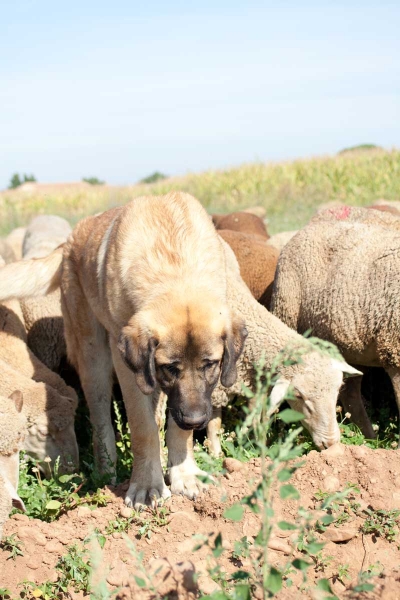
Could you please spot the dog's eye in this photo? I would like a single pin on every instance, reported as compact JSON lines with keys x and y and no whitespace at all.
{"x":210,"y":364}
{"x":171,"y":370}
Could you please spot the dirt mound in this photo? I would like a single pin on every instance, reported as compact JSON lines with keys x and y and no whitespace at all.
{"x":166,"y":540}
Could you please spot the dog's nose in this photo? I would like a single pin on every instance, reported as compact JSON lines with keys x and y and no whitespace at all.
{"x":195,"y":420}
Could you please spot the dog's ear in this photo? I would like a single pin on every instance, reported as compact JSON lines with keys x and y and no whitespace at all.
{"x":138,"y":350}
{"x":233,"y":347}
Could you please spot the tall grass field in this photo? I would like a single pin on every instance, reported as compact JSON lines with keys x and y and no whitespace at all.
{"x":289,"y":191}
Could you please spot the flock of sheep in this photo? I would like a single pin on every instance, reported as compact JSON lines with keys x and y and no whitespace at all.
{"x":339,"y":276}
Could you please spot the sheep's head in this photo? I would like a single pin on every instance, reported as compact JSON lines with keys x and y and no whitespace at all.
{"x":12,"y":434}
{"x":315,"y":387}
{"x":47,"y":437}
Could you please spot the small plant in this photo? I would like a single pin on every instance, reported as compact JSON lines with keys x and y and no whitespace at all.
{"x":93,"y":181}
{"x":124,"y":452}
{"x":343,"y":573}
{"x":11,"y":544}
{"x":5,"y":594}
{"x":383,"y":523}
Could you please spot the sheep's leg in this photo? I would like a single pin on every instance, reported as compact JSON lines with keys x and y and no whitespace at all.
{"x":147,"y":481}
{"x":352,"y":402}
{"x":182,"y":469}
{"x":213,"y":433}
{"x":394,"y":374}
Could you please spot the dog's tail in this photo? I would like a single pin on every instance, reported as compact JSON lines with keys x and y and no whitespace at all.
{"x":33,"y":277}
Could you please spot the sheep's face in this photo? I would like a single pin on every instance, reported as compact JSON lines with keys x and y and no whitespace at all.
{"x":184,"y":348}
{"x":44,"y":440}
{"x":315,"y":388}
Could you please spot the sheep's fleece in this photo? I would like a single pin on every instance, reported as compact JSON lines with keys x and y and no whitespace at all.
{"x":340,"y":276}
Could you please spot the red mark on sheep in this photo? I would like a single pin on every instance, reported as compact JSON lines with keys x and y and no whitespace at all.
{"x":341,"y":212}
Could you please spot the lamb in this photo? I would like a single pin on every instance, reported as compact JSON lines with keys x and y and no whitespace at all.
{"x":241,"y":221}
{"x":257,"y":262}
{"x":279,"y":240}
{"x":316,"y":382}
{"x":340,"y":277}
{"x":43,"y":316}
{"x":12,"y":432}
{"x":49,"y":403}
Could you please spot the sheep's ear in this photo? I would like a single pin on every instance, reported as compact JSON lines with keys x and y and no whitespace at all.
{"x":279,"y":391}
{"x":138,"y":353}
{"x":233,"y":347}
{"x":345,"y":368}
{"x":16,"y":500}
{"x":18,"y":399}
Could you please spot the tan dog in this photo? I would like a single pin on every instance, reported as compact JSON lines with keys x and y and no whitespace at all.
{"x":144,"y":290}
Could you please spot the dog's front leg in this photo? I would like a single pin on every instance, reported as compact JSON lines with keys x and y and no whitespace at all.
{"x":147,"y":484}
{"x":182,"y":469}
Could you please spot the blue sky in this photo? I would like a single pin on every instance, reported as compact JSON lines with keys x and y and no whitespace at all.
{"x":120,"y":89}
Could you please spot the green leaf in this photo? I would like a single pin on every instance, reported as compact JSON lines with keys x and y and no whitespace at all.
{"x":364,"y":587}
{"x":285,"y":526}
{"x":65,"y":478}
{"x":53,"y":505}
{"x":141,"y":582}
{"x":324,"y":585}
{"x":290,"y":416}
{"x":218,"y":549}
{"x":274,"y":581}
{"x":300,"y":564}
{"x":289,"y":492}
{"x":314,"y":547}
{"x":285,"y":474}
{"x":241,"y":592}
{"x":240,"y":575}
{"x":234,"y":512}
{"x":327,"y":519}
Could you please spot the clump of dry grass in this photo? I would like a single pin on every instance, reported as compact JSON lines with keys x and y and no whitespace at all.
{"x":289,"y":191}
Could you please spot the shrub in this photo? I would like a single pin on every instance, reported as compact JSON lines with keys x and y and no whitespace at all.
{"x":16,"y":180}
{"x":154,"y":177}
{"x":93,"y":180}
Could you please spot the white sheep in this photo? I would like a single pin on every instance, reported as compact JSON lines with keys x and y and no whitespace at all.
{"x":43,"y":316}
{"x":279,"y":240}
{"x":340,"y":276}
{"x":49,"y":403}
{"x":14,"y":240}
{"x":12,"y":432}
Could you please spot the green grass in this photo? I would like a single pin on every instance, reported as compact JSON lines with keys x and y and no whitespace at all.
{"x":290,"y":191}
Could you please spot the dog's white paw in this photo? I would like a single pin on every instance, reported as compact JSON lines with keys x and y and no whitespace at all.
{"x":184,"y":479}
{"x":146,"y":490}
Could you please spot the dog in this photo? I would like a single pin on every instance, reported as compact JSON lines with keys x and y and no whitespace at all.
{"x":143,"y":291}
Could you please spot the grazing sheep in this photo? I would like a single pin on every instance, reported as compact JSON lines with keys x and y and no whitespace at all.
{"x":279,"y":240}
{"x":241,"y":221}
{"x":316,"y":382}
{"x":385,"y":208}
{"x":49,"y":403}
{"x":15,"y":240}
{"x":340,"y":276}
{"x":43,"y":316}
{"x":257,"y":262}
{"x":43,"y":235}
{"x":12,"y":432}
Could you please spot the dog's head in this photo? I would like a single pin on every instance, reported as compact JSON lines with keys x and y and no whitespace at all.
{"x":185,"y":347}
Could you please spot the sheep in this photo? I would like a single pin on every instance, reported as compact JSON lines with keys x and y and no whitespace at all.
{"x":43,"y":316}
{"x":257,"y":210}
{"x":385,"y":208}
{"x":14,"y":240}
{"x":316,"y":382}
{"x":49,"y":403}
{"x":279,"y":240}
{"x":257,"y":262}
{"x":12,"y":432}
{"x":241,"y":221}
{"x":43,"y":234}
{"x":340,"y":277}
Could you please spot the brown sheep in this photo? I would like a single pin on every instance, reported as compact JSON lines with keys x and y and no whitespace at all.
{"x":243,"y":222}
{"x":257,"y":263}
{"x":386,"y":208}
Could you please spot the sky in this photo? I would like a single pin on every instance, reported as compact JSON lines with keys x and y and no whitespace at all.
{"x":119,"y":89}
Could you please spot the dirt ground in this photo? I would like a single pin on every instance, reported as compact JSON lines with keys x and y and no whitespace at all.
{"x":168,"y":553}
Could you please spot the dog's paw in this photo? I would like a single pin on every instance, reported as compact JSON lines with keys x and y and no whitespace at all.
{"x":186,"y":479}
{"x":147,"y":490}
